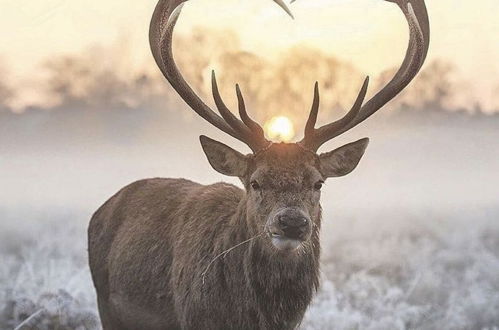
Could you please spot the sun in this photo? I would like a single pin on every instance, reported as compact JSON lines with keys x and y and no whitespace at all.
{"x":280,"y":129}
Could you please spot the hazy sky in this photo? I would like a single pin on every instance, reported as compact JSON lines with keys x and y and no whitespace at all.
{"x":371,"y":34}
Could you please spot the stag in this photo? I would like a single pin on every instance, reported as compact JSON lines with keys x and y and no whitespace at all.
{"x":175,"y":254}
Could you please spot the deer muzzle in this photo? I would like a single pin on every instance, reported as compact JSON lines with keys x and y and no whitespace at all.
{"x":289,"y":228}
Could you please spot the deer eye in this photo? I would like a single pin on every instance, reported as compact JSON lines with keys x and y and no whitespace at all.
{"x":318,"y":185}
{"x":255,"y":185}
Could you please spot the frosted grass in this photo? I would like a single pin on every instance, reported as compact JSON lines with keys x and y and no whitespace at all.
{"x":409,"y":273}
{"x":424,"y":275}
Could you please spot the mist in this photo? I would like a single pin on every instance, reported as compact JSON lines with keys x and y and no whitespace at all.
{"x":410,"y":238}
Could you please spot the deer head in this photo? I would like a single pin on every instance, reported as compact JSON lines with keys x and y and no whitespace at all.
{"x":283,"y":180}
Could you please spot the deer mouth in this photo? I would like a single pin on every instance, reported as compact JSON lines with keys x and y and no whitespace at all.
{"x":284,"y":243}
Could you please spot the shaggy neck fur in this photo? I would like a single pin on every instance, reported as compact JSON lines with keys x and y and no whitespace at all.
{"x":280,"y":285}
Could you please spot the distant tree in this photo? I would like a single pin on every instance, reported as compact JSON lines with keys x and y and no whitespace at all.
{"x":87,"y":81}
{"x":67,"y":79}
{"x":196,"y":55}
{"x":435,"y":88}
{"x":6,"y":92}
{"x":495,"y":99}
{"x":251,"y":72}
{"x":297,"y":71}
{"x":285,"y":85}
{"x":282,"y":85}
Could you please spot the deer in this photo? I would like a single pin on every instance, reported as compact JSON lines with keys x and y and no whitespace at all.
{"x":174,"y":254}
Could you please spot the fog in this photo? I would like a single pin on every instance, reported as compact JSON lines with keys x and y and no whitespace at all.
{"x":410,"y":238}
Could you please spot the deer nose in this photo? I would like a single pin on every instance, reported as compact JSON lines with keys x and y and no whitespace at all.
{"x":293,"y":224}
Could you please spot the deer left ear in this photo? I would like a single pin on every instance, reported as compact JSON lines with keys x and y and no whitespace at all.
{"x":224,"y":159}
{"x":343,"y":160}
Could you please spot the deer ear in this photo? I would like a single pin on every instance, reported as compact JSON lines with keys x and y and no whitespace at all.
{"x":343,"y":160}
{"x":224,"y":159}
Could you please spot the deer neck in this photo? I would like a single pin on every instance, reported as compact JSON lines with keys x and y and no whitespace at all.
{"x":281,"y":284}
{"x":285,"y":281}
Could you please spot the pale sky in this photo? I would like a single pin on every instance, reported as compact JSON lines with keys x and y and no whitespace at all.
{"x":370,"y":34}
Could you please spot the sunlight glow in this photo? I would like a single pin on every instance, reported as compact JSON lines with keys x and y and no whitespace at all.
{"x":280,"y":129}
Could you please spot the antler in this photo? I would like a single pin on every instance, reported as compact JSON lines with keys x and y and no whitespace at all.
{"x":419,"y":29}
{"x":160,"y":37}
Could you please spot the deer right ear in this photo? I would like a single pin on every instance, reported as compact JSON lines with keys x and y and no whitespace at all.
{"x":224,"y":159}
{"x":343,"y":160}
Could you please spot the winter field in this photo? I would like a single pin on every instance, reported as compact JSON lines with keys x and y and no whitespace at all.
{"x":410,"y":239}
{"x":415,"y":272}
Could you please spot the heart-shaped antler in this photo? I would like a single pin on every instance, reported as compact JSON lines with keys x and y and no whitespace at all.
{"x":247,"y":130}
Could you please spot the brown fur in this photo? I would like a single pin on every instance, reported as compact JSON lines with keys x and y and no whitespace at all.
{"x":151,"y":243}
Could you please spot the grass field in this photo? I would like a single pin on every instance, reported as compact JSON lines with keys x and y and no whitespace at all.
{"x":378,"y":273}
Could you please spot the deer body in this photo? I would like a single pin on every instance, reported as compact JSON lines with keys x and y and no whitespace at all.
{"x":173,"y":254}
{"x":161,"y":284}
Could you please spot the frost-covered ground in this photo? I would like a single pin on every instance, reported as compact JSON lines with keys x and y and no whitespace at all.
{"x":410,"y":272}
{"x":44,"y":275}
{"x":414,"y":270}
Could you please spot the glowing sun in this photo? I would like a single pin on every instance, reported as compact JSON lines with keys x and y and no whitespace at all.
{"x":280,"y":129}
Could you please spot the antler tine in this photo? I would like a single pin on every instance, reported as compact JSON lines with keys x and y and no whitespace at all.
{"x":419,"y":30}
{"x":248,"y":128}
{"x":314,"y":138}
{"x":312,"y":118}
{"x":162,"y":26}
{"x":227,"y":115}
{"x":285,"y":7}
{"x":253,"y":125}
